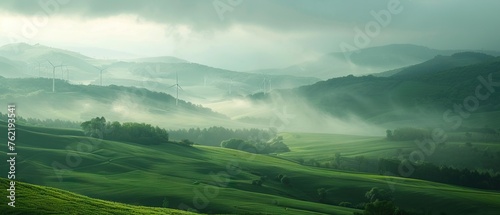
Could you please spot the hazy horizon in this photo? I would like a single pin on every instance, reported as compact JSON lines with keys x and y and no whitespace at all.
{"x":245,"y":35}
{"x":288,"y":107}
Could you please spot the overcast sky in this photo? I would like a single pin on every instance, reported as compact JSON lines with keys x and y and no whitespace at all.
{"x":245,"y":34}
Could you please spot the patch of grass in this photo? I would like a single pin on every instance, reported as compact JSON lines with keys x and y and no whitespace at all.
{"x":219,"y":180}
{"x":34,"y":199}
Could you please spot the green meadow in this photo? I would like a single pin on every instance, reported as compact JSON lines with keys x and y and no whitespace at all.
{"x":217,"y":180}
{"x":34,"y":199}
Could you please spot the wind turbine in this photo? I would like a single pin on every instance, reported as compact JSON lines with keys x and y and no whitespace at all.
{"x":177,"y":86}
{"x":62,"y":71}
{"x":266,"y":85}
{"x":100,"y":70}
{"x":67,"y":72}
{"x":29,"y":68}
{"x":54,"y":75}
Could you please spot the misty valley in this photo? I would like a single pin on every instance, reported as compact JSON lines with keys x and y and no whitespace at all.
{"x":385,"y":107}
{"x":249,"y":143}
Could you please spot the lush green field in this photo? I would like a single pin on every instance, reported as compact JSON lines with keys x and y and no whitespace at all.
{"x":323,"y":147}
{"x":34,"y":199}
{"x":218,"y":180}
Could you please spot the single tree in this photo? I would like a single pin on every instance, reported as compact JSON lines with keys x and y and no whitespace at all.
{"x":388,"y":134}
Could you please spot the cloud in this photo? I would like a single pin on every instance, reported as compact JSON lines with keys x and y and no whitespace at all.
{"x":457,"y":16}
{"x":203,"y":15}
{"x":255,"y":33}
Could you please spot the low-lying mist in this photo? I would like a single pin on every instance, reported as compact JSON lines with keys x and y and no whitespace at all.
{"x":283,"y":110}
{"x":292,"y":114}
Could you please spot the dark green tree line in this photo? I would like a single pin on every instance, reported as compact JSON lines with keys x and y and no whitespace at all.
{"x":129,"y":132}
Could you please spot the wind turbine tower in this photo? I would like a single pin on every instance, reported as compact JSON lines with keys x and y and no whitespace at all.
{"x":62,"y":71}
{"x":100,"y":71}
{"x":266,"y":85}
{"x":177,"y":86}
{"x":54,"y":75}
{"x":67,"y":72}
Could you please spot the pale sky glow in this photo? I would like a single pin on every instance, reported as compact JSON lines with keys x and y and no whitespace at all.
{"x":254,"y":34}
{"x":141,"y":37}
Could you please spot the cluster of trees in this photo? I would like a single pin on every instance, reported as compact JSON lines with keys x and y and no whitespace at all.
{"x":476,"y":134}
{"x":380,"y":202}
{"x":464,"y":134}
{"x":403,"y":134}
{"x":52,"y":123}
{"x":213,"y":136}
{"x":260,"y":181}
{"x":129,"y":132}
{"x":335,"y":162}
{"x":274,"y":145}
{"x":281,"y":178}
{"x":448,"y":175}
{"x":284,"y":179}
{"x":238,"y":144}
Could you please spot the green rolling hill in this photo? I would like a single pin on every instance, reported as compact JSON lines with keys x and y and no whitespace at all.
{"x":200,"y":82}
{"x":82,"y":102}
{"x":441,"y":63}
{"x":419,"y":94}
{"x":366,"y":150}
{"x":34,"y":199}
{"x":216,"y":180}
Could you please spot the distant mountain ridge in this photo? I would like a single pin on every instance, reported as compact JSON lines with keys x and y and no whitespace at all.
{"x":23,"y":60}
{"x":24,"y":51}
{"x":365,"y":61}
{"x":440,"y":63}
{"x":417,"y":94}
{"x":393,"y":55}
{"x":83,"y":102}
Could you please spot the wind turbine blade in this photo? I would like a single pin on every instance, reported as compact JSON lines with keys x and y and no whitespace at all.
{"x":172,"y":86}
{"x":180,"y":87}
{"x":100,"y":69}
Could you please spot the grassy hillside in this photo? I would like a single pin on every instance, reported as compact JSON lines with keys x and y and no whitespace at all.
{"x":440,"y":63}
{"x":323,"y":147}
{"x":136,"y":174}
{"x":82,"y":102}
{"x":9,"y":68}
{"x":395,"y":55}
{"x":34,"y":199}
{"x":420,"y":98}
{"x":217,"y":180}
